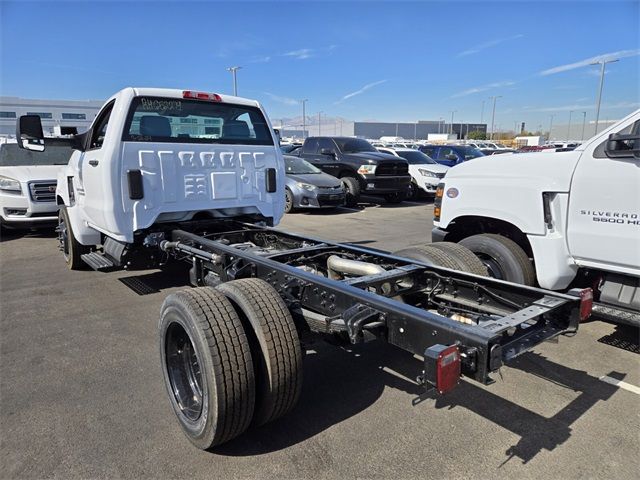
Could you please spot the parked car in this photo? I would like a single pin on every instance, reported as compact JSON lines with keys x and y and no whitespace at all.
{"x":309,"y":187}
{"x":451,"y":155}
{"x":360,"y":167}
{"x":491,"y":151}
{"x":28,"y":183}
{"x":289,"y":147}
{"x":425,"y":172}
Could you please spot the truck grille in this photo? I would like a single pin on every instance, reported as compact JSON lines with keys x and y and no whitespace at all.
{"x":44,"y":191}
{"x":392,"y":168}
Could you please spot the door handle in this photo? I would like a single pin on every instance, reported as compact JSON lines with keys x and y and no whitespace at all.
{"x":93,"y":163}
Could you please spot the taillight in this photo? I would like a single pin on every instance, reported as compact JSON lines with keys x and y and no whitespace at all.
{"x":213,"y":97}
{"x":586,"y":303}
{"x":437,"y":202}
{"x":442,"y":367}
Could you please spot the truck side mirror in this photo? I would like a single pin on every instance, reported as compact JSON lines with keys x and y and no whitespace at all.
{"x":620,"y":145}
{"x":327,"y":151}
{"x":29,"y":133}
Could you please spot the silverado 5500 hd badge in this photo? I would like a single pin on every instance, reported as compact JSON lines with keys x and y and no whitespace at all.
{"x":612,"y":217}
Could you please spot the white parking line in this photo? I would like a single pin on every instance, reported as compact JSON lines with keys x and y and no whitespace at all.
{"x":621,"y":384}
{"x":350,"y":209}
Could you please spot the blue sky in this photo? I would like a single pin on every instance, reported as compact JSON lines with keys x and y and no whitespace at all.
{"x":390,"y":61}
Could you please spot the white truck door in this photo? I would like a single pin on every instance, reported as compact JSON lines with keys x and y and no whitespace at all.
{"x":604,"y":205}
{"x":93,"y":175}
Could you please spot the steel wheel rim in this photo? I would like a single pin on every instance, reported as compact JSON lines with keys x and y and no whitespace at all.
{"x":288,"y":201}
{"x":183,"y":369}
{"x":63,"y":238}
{"x":493,"y":268}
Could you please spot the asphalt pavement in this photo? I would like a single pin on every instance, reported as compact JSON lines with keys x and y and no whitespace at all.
{"x":82,"y":396}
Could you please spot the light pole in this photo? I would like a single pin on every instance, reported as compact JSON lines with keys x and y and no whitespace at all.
{"x":319,"y":128}
{"x":584,"y":119}
{"x":304,"y":116}
{"x":603,"y":63}
{"x":493,"y":114}
{"x":569,"y":127}
{"x":451,"y":126}
{"x":233,"y":71}
{"x":550,"y":126}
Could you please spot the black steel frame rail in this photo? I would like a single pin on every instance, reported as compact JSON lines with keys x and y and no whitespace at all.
{"x":410,"y":328}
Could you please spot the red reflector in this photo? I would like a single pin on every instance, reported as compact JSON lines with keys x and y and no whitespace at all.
{"x":448,"y":369}
{"x":586,"y":303}
{"x":442,"y":367}
{"x":214,"y":97}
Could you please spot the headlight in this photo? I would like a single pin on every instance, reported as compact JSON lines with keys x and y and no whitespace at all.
{"x":367,"y":169}
{"x":427,"y":173}
{"x":10,"y":185}
{"x":306,"y":186}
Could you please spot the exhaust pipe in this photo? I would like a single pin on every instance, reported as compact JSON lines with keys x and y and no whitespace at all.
{"x":337,"y":265}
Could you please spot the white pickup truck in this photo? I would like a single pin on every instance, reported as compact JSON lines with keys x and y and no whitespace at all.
{"x":176,"y":175}
{"x":560,"y":220}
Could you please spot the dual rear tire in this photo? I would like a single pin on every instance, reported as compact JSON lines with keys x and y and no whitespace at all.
{"x":231,"y":358}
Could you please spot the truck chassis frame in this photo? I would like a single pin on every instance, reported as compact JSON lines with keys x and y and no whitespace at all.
{"x":390,"y":304}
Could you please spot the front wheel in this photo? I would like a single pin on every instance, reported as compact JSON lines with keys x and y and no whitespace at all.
{"x":352,"y":188}
{"x":503,"y":258}
{"x":70,"y":247}
{"x":413,"y":191}
{"x":396,"y":197}
{"x":288,"y":201}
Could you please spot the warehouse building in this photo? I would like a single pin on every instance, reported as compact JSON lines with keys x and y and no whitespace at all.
{"x":58,"y":116}
{"x":418,"y":130}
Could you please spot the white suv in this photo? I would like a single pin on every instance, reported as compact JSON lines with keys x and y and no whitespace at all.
{"x":28,"y":184}
{"x":425,"y":172}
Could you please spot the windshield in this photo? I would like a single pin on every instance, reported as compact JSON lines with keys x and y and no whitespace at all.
{"x":54,"y":154}
{"x":416,"y":158}
{"x":164,"y":119}
{"x":354,"y":145}
{"x":470,"y":152}
{"x":298,"y":166}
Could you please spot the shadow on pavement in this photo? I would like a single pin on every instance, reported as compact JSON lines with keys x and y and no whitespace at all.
{"x":10,"y":234}
{"x":340,"y":383}
{"x":536,"y":432}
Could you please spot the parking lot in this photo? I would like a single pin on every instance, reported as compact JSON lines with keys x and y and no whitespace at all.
{"x":82,"y":392}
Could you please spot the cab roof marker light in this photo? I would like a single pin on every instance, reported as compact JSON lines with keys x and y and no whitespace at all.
{"x":213,"y":97}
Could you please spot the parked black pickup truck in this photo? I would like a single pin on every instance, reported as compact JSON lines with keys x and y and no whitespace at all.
{"x":360,"y":167}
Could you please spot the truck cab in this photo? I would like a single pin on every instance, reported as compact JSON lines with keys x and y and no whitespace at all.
{"x":558,"y":219}
{"x":159,"y":156}
{"x":360,"y":166}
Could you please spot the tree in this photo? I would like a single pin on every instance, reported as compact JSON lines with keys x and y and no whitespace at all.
{"x":477,"y":135}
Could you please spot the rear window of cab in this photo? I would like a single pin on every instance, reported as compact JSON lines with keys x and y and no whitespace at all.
{"x":176,"y":120}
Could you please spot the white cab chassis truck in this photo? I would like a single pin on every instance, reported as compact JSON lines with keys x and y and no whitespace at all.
{"x":558,"y":220}
{"x":195,"y":177}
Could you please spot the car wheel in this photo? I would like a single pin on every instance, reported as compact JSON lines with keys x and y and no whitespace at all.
{"x":288,"y":201}
{"x":352,"y":188}
{"x":503,"y":258}
{"x":396,"y":197}
{"x":412,"y":191}
{"x":69,"y":246}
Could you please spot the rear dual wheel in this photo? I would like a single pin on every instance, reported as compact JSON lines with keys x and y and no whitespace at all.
{"x":230,"y":357}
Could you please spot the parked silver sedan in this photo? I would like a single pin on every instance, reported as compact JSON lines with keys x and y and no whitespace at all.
{"x":309,"y":187}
